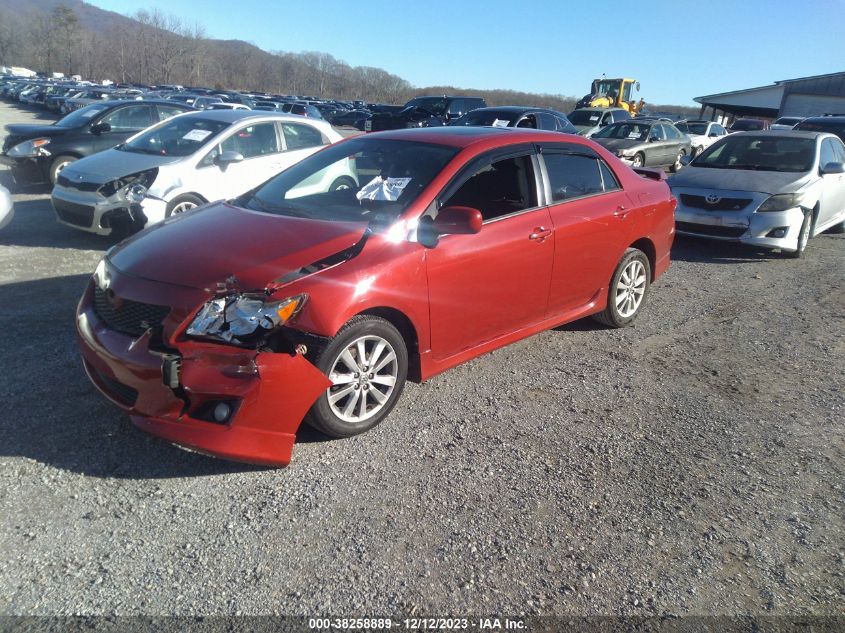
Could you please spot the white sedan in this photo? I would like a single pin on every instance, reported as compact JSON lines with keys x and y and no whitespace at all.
{"x":702,"y":134}
{"x":184,"y":162}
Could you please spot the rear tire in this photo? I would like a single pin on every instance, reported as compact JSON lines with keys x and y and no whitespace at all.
{"x":676,"y":166}
{"x":367,"y":362}
{"x":343,"y":182}
{"x":628,"y":290}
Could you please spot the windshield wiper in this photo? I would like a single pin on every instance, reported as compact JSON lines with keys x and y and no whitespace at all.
{"x":277,"y":209}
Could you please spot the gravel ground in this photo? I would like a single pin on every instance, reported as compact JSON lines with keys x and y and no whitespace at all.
{"x":692,"y":464}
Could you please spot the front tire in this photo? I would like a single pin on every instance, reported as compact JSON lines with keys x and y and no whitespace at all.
{"x":58,"y":164}
{"x":183,"y":203}
{"x":639,"y":160}
{"x":628,"y":290}
{"x":367,"y":362}
{"x":803,"y":236}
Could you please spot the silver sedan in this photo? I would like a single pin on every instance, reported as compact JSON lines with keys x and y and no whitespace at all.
{"x":7,"y":211}
{"x":769,"y":189}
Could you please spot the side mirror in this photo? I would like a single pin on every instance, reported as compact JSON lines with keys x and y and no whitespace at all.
{"x":99,"y":128}
{"x":230,"y":156}
{"x":653,"y":139}
{"x":833,"y":168}
{"x":686,"y":160}
{"x":449,"y":221}
{"x":713,"y":134}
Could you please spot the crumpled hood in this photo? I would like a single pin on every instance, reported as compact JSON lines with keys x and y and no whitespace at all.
{"x":615,"y":144}
{"x":111,"y":164}
{"x":770,"y":182}
{"x":203,"y":248}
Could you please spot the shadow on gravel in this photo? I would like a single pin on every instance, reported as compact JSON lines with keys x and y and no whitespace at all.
{"x":692,"y":249}
{"x":35,"y":224}
{"x":53,"y":415}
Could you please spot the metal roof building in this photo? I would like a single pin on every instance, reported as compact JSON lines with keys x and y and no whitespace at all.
{"x":805,"y":96}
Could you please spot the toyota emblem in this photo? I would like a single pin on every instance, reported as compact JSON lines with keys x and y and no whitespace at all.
{"x":712,"y":198}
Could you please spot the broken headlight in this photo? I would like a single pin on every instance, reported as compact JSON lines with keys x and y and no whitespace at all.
{"x":243,"y":318}
{"x":133,"y":187}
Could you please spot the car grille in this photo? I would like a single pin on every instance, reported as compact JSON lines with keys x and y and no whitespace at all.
{"x":124,"y":394}
{"x":723,"y":204}
{"x":128,"y":317}
{"x":72,"y":213}
{"x":64,"y":181}
{"x":708,"y":229}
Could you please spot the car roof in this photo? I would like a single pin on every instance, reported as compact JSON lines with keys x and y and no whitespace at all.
{"x":823,"y":119}
{"x":231,"y":116}
{"x":782,"y":133}
{"x":465,"y":136}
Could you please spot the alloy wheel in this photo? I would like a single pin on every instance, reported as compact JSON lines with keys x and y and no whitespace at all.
{"x":363,"y":378}
{"x":183,"y":206}
{"x":630,"y":289}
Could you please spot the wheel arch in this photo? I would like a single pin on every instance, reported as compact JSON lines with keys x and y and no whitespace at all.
{"x":406,"y":328}
{"x":645,"y":245}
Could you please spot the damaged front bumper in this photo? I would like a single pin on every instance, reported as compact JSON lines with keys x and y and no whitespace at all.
{"x":172,"y":391}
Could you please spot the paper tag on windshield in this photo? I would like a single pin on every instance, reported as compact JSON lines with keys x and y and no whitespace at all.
{"x":594,"y":118}
{"x":197,"y":135}
{"x":500,"y":123}
{"x":634,"y":135}
{"x":383,"y":189}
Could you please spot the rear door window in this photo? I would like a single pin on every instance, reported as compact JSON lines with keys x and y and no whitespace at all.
{"x":166,"y":111}
{"x":573,"y":176}
{"x":301,"y":136}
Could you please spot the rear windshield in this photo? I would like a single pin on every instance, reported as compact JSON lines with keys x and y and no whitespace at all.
{"x":833,"y":127}
{"x":760,"y":153}
{"x":747,"y":125}
{"x":180,"y":136}
{"x":488,"y":117}
{"x":626,"y":130}
{"x":585,"y":117}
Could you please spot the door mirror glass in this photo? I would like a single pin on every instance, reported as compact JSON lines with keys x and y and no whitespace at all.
{"x":229,"y":157}
{"x":833,"y":168}
{"x":685,"y":160}
{"x":450,"y":221}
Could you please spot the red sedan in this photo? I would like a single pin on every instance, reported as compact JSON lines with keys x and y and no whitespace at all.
{"x":222,"y":329}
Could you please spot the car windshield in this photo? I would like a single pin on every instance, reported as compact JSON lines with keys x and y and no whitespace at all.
{"x":627,"y":130}
{"x":435,"y":105}
{"x":760,"y":153}
{"x":82,"y":116}
{"x":180,"y":136}
{"x":364,"y":179}
{"x":496,"y":118}
{"x":585,"y":117}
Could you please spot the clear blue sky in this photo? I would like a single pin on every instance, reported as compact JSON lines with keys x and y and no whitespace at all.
{"x":677,"y":50}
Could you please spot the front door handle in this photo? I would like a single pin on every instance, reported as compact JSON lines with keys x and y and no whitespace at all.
{"x":621,"y":211}
{"x":540,"y":233}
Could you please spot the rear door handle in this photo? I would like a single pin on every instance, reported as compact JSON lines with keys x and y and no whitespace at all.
{"x":540,"y":233}
{"x":621,"y":211}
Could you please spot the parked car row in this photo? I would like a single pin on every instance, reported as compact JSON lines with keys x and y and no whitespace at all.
{"x":286,"y":275}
